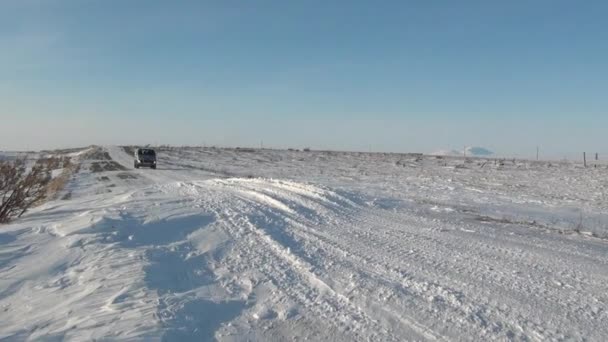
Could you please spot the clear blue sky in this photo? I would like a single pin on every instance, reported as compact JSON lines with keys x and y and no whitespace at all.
{"x":393,"y":75}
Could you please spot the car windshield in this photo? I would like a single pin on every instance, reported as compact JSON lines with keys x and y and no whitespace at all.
{"x":146,"y":152}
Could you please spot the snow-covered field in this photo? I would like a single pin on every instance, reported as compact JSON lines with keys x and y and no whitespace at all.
{"x":239,"y":245}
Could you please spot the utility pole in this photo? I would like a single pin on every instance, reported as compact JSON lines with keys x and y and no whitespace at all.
{"x":464,"y":150}
{"x":585,"y":159}
{"x":537,"y":152}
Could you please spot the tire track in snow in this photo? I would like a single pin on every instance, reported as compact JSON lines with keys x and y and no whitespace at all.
{"x":456,"y":275}
{"x":486,"y":318}
{"x":292,"y":274}
{"x":459,"y":273}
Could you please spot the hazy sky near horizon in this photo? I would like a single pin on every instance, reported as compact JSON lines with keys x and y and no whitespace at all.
{"x":353,"y":75}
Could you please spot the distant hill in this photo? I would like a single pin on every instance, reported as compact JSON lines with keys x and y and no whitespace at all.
{"x":472,"y":151}
{"x":479,"y":152}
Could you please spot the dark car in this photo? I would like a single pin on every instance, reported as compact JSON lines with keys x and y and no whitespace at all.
{"x":145,"y":157}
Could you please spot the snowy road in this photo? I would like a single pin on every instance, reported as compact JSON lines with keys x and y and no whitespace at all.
{"x":315,"y":247}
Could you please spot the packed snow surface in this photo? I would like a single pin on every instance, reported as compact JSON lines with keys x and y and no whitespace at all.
{"x":239,"y":245}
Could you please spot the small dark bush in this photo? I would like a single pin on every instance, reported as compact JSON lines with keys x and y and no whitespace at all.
{"x":21,"y":188}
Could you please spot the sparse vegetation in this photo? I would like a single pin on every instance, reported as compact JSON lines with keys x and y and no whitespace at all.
{"x":24,"y":183}
{"x":102,"y":166}
{"x":22,"y":187}
{"x":59,"y":182}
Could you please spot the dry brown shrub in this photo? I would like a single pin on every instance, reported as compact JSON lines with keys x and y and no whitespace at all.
{"x":22,"y":187}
